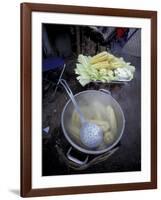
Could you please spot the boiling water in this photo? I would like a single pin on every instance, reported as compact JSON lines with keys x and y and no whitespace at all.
{"x":95,"y":112}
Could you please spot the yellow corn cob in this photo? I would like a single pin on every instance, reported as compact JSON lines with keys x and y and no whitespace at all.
{"x":100,"y":54}
{"x":99,"y":57}
{"x":101,"y":65}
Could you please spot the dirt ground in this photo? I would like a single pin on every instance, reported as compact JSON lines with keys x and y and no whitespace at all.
{"x":55,"y":146}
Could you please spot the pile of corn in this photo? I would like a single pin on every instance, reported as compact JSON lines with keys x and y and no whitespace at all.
{"x":105,"y":60}
{"x":103,"y":67}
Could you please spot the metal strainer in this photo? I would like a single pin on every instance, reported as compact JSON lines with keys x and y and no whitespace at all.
{"x":91,"y":135}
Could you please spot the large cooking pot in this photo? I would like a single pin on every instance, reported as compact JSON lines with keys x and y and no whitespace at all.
{"x":85,"y":98}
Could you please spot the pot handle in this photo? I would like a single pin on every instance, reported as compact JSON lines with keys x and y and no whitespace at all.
{"x":105,"y":91}
{"x":76,"y":160}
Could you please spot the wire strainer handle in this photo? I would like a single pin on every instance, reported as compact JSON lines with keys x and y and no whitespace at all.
{"x":70,"y":93}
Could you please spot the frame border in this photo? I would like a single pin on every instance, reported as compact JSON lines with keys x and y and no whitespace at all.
{"x":26,"y":104}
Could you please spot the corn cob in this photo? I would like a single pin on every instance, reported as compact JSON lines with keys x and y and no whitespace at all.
{"x":101,"y":65}
{"x":99,"y":57}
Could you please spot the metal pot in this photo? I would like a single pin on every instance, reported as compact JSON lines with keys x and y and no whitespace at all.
{"x":104,"y":97}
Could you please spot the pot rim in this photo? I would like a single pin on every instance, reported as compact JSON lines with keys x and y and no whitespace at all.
{"x":79,"y":148}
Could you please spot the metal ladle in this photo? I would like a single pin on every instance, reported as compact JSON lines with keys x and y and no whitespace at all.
{"x":91,"y":135}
